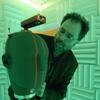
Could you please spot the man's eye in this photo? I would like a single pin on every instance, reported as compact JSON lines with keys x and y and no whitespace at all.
{"x":69,"y":36}
{"x":62,"y":30}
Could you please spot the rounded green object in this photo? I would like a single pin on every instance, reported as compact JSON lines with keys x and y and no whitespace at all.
{"x":28,"y":61}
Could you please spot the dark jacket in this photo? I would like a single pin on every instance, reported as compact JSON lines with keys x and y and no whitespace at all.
{"x":60,"y":71}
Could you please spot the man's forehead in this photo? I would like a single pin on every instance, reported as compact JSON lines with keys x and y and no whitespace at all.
{"x":71,"y":26}
{"x":70,"y":21}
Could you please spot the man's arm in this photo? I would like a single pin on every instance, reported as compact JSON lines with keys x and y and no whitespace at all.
{"x":65,"y":82}
{"x":51,"y":94}
{"x":59,"y":92}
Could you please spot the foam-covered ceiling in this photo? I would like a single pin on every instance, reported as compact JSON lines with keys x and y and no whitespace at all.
{"x":40,"y":4}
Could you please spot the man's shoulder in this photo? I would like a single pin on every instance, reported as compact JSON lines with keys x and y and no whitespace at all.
{"x":72,"y":57}
{"x":48,"y":39}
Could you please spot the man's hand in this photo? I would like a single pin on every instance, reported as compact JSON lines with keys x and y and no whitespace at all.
{"x":41,"y":90}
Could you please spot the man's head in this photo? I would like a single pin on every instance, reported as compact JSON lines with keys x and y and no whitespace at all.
{"x":72,"y":29}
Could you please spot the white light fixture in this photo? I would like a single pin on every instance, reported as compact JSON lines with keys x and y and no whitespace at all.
{"x":41,"y":2}
{"x":38,"y":7}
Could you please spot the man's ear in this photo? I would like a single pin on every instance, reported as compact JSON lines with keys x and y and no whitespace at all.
{"x":6,"y":59}
{"x":77,"y":41}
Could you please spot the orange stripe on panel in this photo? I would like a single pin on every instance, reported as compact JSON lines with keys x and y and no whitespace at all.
{"x":51,"y":32}
{"x":42,"y":47}
{"x":36,"y":63}
{"x":45,"y":54}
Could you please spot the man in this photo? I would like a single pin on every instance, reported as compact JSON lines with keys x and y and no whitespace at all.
{"x":62,"y":62}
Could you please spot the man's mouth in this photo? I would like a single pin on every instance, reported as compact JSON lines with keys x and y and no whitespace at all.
{"x":59,"y":45}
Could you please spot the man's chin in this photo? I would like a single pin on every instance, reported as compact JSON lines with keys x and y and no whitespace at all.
{"x":67,"y":49}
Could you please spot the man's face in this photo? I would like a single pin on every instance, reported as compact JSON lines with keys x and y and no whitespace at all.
{"x":67,"y":35}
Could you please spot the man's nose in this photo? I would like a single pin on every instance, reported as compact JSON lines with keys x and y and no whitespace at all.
{"x":62,"y":38}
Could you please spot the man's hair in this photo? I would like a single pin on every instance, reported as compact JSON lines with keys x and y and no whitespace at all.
{"x":78,"y":18}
